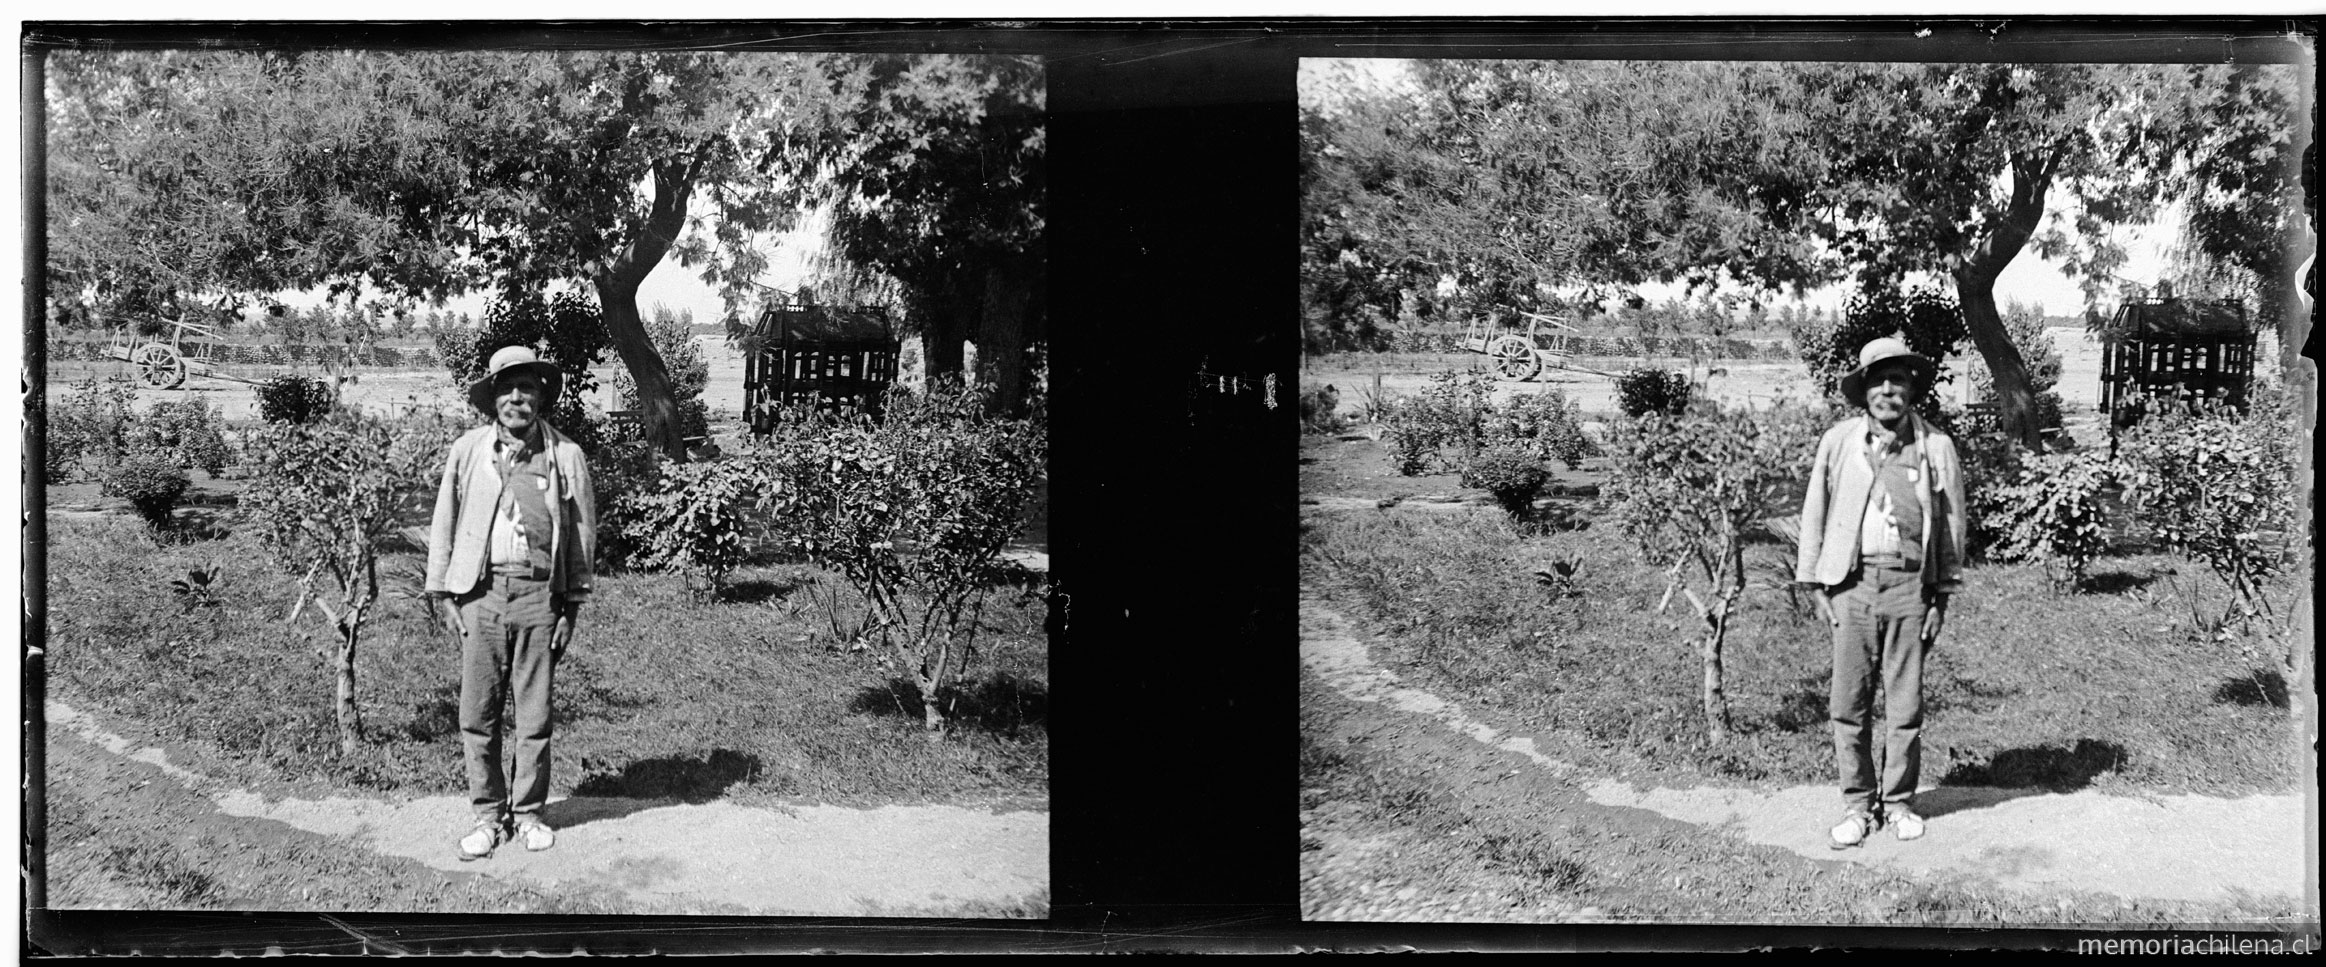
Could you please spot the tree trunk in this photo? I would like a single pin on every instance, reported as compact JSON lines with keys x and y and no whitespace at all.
{"x":617,"y":288}
{"x":1975,"y":289}
{"x":1001,"y":339}
{"x":1715,"y":698}
{"x":657,"y":398}
{"x":945,"y":326}
{"x":350,"y":720}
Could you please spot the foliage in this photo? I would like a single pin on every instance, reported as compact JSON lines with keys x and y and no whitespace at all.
{"x":1482,"y":186}
{"x":198,"y":589}
{"x":936,"y":186}
{"x":91,"y":421}
{"x":621,"y":472}
{"x":674,"y":340}
{"x":427,"y":174}
{"x":293,"y":399}
{"x":914,"y":510}
{"x":2219,"y":487}
{"x":1548,"y":422}
{"x":1687,"y":490}
{"x":1992,"y":460}
{"x":694,"y":519}
{"x":1640,"y":392}
{"x":1319,"y":410}
{"x":1926,"y":318}
{"x":566,"y":329}
{"x":2055,"y":513}
{"x":190,"y":431}
{"x":324,"y":495}
{"x":1512,"y":472}
{"x":152,"y":481}
{"x":1449,"y":412}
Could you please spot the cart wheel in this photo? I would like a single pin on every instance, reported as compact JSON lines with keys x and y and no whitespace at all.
{"x":160,"y":366}
{"x":1514,"y":358}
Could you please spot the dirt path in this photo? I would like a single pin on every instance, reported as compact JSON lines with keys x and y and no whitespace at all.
{"x":712,"y":857}
{"x":2159,"y":848}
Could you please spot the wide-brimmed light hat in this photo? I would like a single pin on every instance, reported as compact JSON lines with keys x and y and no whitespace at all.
{"x":1885,"y":349}
{"x":480,"y":393}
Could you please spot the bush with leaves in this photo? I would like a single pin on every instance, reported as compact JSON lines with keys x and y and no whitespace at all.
{"x":293,"y":399}
{"x":1450,"y":412}
{"x":621,"y":472}
{"x":86,"y":431}
{"x":2218,"y":486}
{"x":694,"y":518}
{"x":1548,"y":421}
{"x":152,"y":481}
{"x":2054,"y":513}
{"x":914,"y":510}
{"x":1640,"y":392}
{"x":323,"y":495}
{"x":1688,"y":490}
{"x":189,"y":431}
{"x":1927,"y":318}
{"x":1512,"y":471}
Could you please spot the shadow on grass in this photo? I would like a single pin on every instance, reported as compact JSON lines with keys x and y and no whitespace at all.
{"x":1805,"y":707}
{"x":2014,"y":773}
{"x":693,"y":779}
{"x":757,"y":592}
{"x":999,"y":704}
{"x":2115,"y":582}
{"x":2264,"y":687}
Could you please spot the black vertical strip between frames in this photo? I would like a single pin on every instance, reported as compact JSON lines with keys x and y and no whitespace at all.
{"x":32,"y":613}
{"x":1172,"y":248}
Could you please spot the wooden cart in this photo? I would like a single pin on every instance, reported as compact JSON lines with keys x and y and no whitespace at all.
{"x":165,"y":365}
{"x":1522,"y":354}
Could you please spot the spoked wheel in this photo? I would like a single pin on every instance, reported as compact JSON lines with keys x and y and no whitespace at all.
{"x":1515,"y":358}
{"x":160,"y":366}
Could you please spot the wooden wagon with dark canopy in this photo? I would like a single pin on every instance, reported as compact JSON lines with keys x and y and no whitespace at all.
{"x":807,"y":355}
{"x":2179,"y":349}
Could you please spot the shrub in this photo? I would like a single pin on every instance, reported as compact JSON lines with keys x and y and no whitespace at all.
{"x":324,"y":495}
{"x":153,"y":483}
{"x":1992,"y":460}
{"x":293,"y":399}
{"x":1450,"y":411}
{"x":2055,"y":514}
{"x":190,"y":431}
{"x":621,"y":472}
{"x":1643,"y":391}
{"x":936,"y":476}
{"x":2218,"y":487}
{"x":694,"y":518}
{"x":1688,"y":489}
{"x":1550,"y":422}
{"x":90,"y":422}
{"x":1512,"y":472}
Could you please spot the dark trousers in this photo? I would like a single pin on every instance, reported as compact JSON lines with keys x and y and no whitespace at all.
{"x":506,"y":655}
{"x":1880,"y":634}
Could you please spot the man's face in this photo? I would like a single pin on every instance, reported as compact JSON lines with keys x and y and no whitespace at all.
{"x":517,"y":396}
{"x":1890,"y":390}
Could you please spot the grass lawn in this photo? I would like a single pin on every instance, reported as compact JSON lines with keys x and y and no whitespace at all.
{"x":747,"y":699}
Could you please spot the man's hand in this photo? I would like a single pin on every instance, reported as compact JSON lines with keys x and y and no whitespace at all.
{"x":1823,"y":596}
{"x":1934,"y":617}
{"x":452,"y":613}
{"x":562,"y":634}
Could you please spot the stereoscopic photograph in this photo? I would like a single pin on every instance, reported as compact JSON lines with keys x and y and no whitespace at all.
{"x":1767,"y":491}
{"x":579,"y":479}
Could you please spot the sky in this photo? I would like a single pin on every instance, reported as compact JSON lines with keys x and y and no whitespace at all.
{"x":2029,"y":278}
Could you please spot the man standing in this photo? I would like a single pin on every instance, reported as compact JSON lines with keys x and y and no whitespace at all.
{"x":1882,"y":533}
{"x":514,"y":534}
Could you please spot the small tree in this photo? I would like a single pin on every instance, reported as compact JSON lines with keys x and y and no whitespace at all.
{"x":914,"y":511}
{"x":2219,"y":487}
{"x":1689,"y":488}
{"x":2055,"y":514}
{"x":324,"y":494}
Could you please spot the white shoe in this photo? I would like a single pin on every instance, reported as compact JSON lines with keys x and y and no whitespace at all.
{"x":1854,"y":828}
{"x":480,"y":842}
{"x":1906,"y":821}
{"x":536,"y":834}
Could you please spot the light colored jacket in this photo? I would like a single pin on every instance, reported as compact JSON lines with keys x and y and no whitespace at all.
{"x":459,"y":539}
{"x":1841,"y":484}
